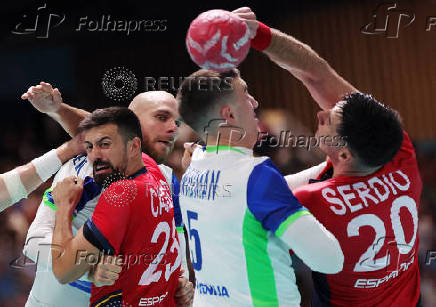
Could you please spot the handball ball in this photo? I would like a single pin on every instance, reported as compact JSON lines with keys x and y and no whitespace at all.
{"x":218,"y":40}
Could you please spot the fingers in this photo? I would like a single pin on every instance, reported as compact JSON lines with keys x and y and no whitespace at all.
{"x":185,"y":292}
{"x":243,"y":9}
{"x":110,"y":263}
{"x":249,"y":16}
{"x":45,"y":86}
{"x":191,"y":147}
{"x":106,"y":272}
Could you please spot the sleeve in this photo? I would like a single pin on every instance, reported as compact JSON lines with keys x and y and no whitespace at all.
{"x":270,"y":200}
{"x":107,"y":226}
{"x":40,"y":232}
{"x":39,"y":237}
{"x":314,"y":245}
{"x":297,"y":180}
{"x":177,"y":211}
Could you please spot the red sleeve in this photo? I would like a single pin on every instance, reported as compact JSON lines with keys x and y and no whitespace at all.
{"x":107,"y":227}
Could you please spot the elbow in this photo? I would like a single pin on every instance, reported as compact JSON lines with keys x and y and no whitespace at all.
{"x":61,"y":276}
{"x":337,"y":263}
{"x":333,"y":260}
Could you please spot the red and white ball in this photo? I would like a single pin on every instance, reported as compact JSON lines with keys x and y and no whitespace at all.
{"x":218,"y":40}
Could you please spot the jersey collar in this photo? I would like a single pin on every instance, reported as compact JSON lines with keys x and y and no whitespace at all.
{"x":221,"y":148}
{"x":141,"y":171}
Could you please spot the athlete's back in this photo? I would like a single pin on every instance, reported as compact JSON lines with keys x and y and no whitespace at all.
{"x":233,"y":206}
{"x":375,"y":219}
{"x":135,"y":218}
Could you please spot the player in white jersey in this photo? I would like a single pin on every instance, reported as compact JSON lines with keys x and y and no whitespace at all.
{"x":241,"y":216}
{"x":46,"y":290}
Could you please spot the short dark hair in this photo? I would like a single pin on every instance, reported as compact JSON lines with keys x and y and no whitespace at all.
{"x":200,"y":92}
{"x":124,"y":118}
{"x":372,"y":131}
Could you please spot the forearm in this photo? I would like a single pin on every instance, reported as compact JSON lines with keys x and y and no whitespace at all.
{"x":295,"y":181}
{"x":314,"y":245}
{"x":39,"y":237}
{"x":21,"y":181}
{"x":323,"y":83}
{"x":64,"y":252}
{"x":69,"y":118}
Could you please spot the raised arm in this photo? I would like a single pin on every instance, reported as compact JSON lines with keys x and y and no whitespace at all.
{"x":322,"y":81}
{"x":49,"y":101}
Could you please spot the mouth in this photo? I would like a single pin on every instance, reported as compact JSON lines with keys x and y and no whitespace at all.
{"x":166,"y":143}
{"x":101,"y":169}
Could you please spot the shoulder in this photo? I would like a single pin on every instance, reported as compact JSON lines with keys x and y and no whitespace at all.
{"x":264,"y":168}
{"x":167,"y":172}
{"x":310,"y":191}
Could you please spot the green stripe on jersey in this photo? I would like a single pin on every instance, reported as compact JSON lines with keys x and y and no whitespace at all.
{"x":180,"y":229}
{"x":292,"y":218}
{"x":259,"y":269}
{"x":47,"y":202}
{"x":223,"y":147}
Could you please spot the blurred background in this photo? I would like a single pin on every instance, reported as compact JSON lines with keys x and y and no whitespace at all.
{"x":394,"y":60}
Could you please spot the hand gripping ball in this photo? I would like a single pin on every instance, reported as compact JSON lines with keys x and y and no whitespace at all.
{"x":218,"y":40}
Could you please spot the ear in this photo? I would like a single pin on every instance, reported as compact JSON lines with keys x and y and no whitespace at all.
{"x":227,"y":113}
{"x":345,"y":155}
{"x":134,"y":146}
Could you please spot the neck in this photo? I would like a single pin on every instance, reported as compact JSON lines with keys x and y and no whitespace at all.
{"x":339,"y":171}
{"x":134,"y":166}
{"x":225,"y":141}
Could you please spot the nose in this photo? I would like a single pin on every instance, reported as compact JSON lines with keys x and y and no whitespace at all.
{"x":254,"y":102}
{"x":95,"y":154}
{"x":172,"y":126}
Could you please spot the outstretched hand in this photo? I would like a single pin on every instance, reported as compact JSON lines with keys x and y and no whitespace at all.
{"x":44,"y":98}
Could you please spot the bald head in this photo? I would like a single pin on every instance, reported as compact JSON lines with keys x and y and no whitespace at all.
{"x":157,"y":111}
{"x":151,"y":99}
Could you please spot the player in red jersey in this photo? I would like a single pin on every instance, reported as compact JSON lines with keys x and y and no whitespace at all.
{"x":368,"y":194}
{"x":133,"y":218}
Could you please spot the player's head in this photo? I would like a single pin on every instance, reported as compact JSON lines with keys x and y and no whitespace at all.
{"x":208,"y":98}
{"x":372,"y":132}
{"x":159,"y":117}
{"x":112,"y":138}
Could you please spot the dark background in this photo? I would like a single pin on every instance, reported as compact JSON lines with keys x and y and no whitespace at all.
{"x":401,"y":72}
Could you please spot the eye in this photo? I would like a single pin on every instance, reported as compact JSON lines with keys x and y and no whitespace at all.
{"x":161,"y":117}
{"x":178,"y":122}
{"x":105,"y":144}
{"x":88,"y":148}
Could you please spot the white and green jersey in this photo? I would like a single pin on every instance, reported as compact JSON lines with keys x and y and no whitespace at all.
{"x":236,"y":207}
{"x":46,"y":290}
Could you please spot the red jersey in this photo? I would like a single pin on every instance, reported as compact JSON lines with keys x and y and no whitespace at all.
{"x":375,"y":220}
{"x":135,"y":218}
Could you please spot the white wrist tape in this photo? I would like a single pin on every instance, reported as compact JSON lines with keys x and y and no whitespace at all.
{"x":47,"y":165}
{"x":13,"y":184}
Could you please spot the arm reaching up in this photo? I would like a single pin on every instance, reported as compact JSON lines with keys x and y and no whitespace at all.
{"x":322,"y":81}
{"x":49,"y":101}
